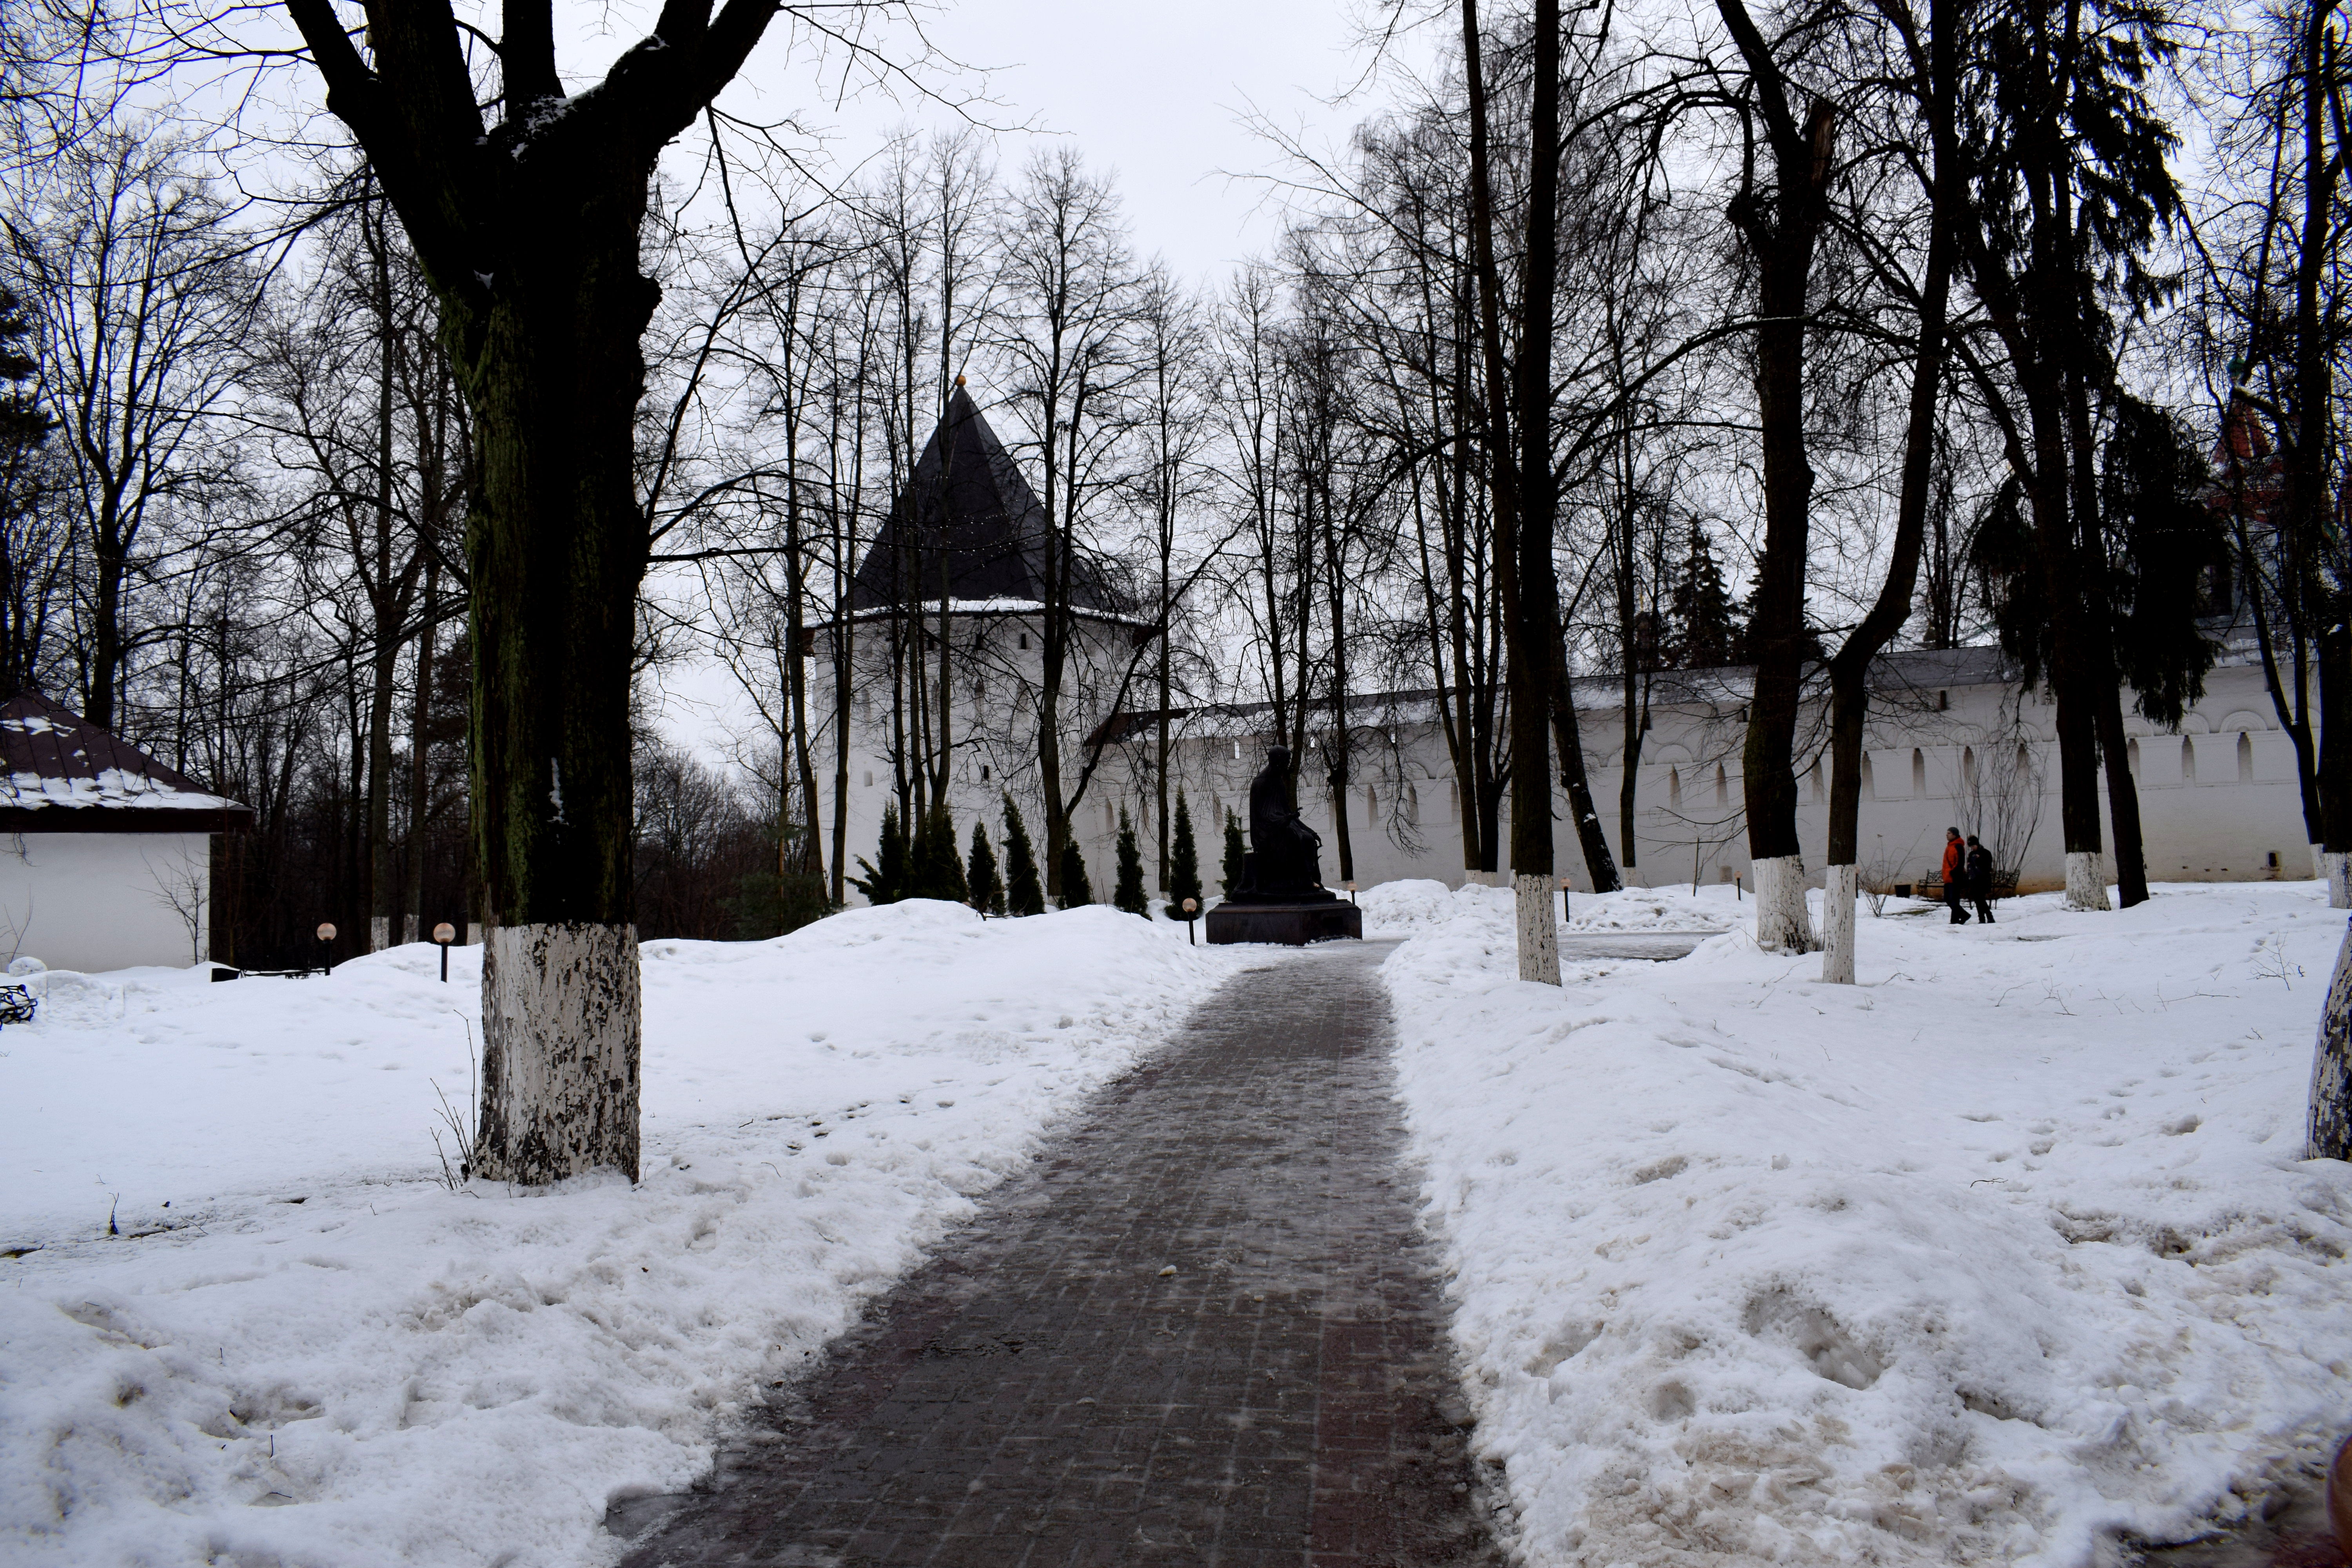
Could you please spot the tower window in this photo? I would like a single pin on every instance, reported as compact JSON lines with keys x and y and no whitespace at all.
{"x":2245,"y":759}
{"x":1918,"y":774}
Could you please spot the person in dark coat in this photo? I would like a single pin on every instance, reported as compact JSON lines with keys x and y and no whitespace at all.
{"x":1979,"y":874}
{"x":1955,"y":875}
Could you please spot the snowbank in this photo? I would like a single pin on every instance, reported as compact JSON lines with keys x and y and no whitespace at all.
{"x":1416,"y":906}
{"x":329,"y":1359}
{"x":2007,"y":1250}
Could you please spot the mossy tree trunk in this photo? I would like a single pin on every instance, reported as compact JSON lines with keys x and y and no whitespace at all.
{"x":528,"y":234}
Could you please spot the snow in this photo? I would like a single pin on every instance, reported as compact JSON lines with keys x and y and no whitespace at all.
{"x":2000,"y":1254}
{"x":112,"y":788}
{"x":302,"y":1348}
{"x":2006,"y":1251}
{"x":1413,"y":908}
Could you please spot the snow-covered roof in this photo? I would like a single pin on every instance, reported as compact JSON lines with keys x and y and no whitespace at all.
{"x":61,"y":773}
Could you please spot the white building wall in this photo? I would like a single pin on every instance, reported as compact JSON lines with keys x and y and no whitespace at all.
{"x":106,"y":901}
{"x":2237,"y":818}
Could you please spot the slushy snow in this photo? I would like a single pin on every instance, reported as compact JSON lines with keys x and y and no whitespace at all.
{"x":2002,"y":1255}
{"x":301,"y":1349}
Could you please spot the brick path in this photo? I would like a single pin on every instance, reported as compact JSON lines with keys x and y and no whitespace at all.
{"x":1045,"y":1396}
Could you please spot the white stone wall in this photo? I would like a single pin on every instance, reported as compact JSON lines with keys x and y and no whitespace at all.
{"x":105,"y":901}
{"x":2232,"y":813}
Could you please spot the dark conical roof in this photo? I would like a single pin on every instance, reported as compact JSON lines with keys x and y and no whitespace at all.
{"x":968,"y":501}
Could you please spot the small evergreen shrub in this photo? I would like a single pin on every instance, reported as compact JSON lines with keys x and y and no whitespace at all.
{"x":1076,"y":889}
{"x":938,"y":873}
{"x":1025,"y":893}
{"x":1183,"y":865}
{"x":980,"y":875}
{"x":1128,"y":894}
{"x":884,"y":883}
{"x":1235,"y":850}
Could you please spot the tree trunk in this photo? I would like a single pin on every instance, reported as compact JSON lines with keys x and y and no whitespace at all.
{"x":2335,"y":761}
{"x":1782,"y":234}
{"x":1521,"y":475}
{"x":420,"y":772}
{"x":1850,"y":669}
{"x":2330,"y":1123}
{"x":1599,"y":866}
{"x":557,"y":548}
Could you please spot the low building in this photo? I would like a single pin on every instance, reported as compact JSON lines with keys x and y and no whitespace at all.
{"x":106,"y":862}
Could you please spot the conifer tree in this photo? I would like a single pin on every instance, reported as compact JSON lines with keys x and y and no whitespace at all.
{"x":1183,"y":865}
{"x":980,"y":876}
{"x":886,"y":883}
{"x":1702,"y":628}
{"x":1127,"y":894}
{"x":1076,"y":889}
{"x":936,"y":872}
{"x":1232,"y":878}
{"x":1025,"y":893}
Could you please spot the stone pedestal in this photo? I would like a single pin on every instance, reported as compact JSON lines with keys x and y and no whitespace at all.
{"x":1289,"y":924}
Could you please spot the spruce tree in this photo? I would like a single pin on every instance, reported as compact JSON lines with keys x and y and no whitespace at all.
{"x":1128,"y":893}
{"x":1076,"y":889}
{"x":1233,"y":852}
{"x":936,"y":872}
{"x":1703,"y":629}
{"x":886,"y":883}
{"x":1025,"y":893}
{"x":980,"y":877}
{"x":1183,"y":865}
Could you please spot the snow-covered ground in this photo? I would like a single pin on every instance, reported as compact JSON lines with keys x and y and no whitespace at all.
{"x":2006,"y":1251}
{"x":301,"y":1349}
{"x":1409,"y":909}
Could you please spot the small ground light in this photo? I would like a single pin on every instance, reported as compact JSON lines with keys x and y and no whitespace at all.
{"x":326,"y":954}
{"x":1563,"y":901}
{"x":1190,"y":905}
{"x":1351,"y":890}
{"x":445,"y":934}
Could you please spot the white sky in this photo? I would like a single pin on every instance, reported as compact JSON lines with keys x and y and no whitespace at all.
{"x":1157,"y":96}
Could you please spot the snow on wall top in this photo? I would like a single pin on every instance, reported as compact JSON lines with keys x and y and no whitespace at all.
{"x":58,"y":772}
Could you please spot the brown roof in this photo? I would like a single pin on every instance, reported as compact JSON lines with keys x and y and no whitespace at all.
{"x":65,"y":774}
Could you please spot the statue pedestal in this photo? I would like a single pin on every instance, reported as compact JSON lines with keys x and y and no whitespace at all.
{"x":1288,"y":924}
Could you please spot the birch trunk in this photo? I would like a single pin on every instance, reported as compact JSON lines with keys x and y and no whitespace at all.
{"x":1838,"y":896}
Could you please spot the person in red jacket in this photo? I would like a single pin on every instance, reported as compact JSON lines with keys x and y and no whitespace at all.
{"x":1956,"y":874}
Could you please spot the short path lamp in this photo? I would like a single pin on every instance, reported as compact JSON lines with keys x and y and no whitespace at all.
{"x":445,"y":934}
{"x":1563,"y":901}
{"x":1192,"y":908}
{"x":1351,"y":890}
{"x":326,"y":954}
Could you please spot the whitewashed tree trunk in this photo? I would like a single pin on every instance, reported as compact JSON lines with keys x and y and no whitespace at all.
{"x":379,"y":933}
{"x":2319,"y":861}
{"x":1844,"y":885}
{"x":2331,"y":1066}
{"x":1539,"y":928}
{"x":2336,"y":870}
{"x":2086,"y":879}
{"x":1783,"y":923}
{"x":559,"y":1037}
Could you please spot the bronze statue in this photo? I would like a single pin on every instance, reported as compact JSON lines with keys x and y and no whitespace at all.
{"x":1286,"y":861}
{"x":1281,"y":896}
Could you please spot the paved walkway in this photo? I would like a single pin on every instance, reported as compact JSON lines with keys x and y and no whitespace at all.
{"x":1048,"y":1395}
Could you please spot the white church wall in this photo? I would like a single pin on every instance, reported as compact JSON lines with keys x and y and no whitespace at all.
{"x":106,"y":901}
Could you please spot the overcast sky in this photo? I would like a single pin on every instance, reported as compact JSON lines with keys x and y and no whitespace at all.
{"x":1158,"y":95}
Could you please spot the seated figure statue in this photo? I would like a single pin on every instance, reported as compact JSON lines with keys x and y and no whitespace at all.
{"x":1286,"y":858}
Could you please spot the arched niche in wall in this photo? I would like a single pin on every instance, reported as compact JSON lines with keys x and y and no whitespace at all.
{"x":2245,"y":758}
